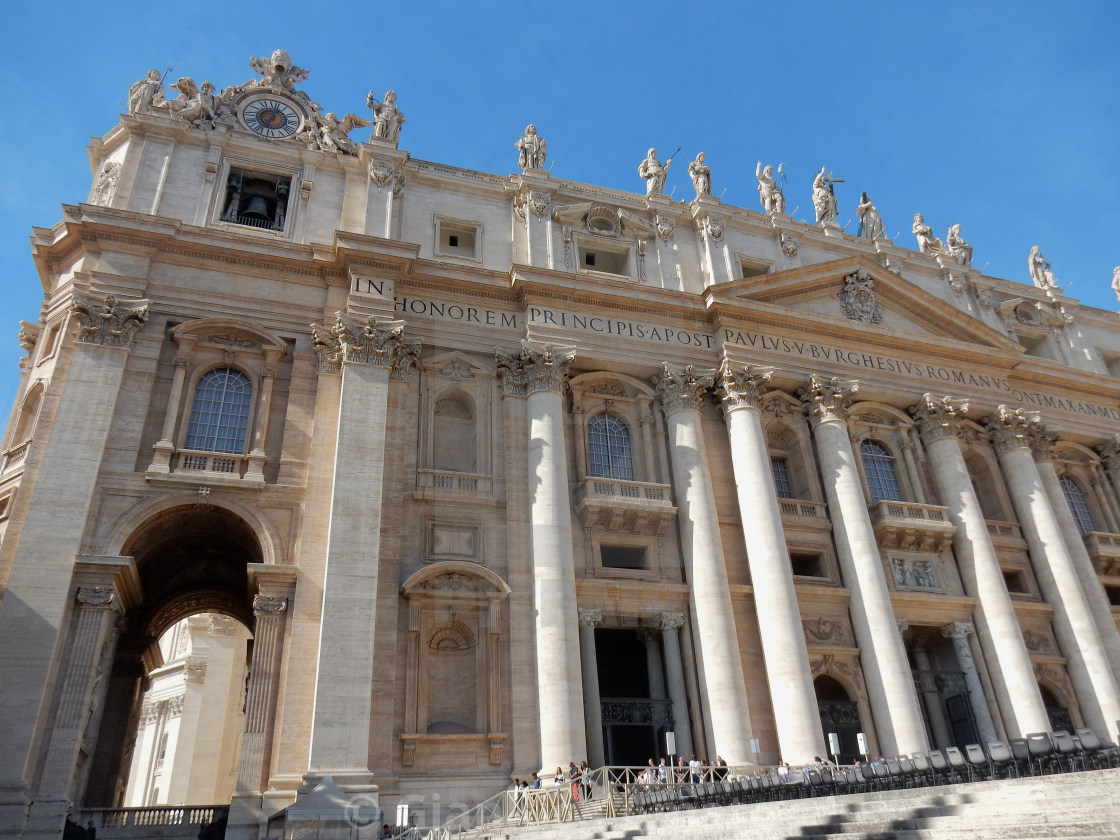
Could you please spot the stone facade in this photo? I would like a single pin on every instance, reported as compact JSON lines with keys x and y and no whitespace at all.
{"x":502,"y":472}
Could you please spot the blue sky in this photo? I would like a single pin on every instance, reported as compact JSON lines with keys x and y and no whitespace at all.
{"x":1002,"y":116}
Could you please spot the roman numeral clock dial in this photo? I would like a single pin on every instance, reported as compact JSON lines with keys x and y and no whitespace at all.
{"x":270,"y":117}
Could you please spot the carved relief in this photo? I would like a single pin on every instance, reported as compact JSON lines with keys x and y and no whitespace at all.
{"x":106,"y":184}
{"x":373,"y":342}
{"x":451,"y":582}
{"x":534,"y":369}
{"x":96,"y":596}
{"x":1038,"y":642}
{"x":915,"y":574}
{"x":825,"y":630}
{"x":112,"y":324}
{"x":938,"y":417}
{"x":857,"y":300}
{"x":827,"y":399}
{"x":683,"y":390}
{"x":789,"y":244}
{"x":665,"y":225}
{"x":742,"y":387}
{"x":269,"y":605}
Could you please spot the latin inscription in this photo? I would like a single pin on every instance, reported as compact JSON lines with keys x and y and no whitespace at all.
{"x":935,"y":375}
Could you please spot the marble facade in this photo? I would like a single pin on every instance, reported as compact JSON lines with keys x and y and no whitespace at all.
{"x":513,"y":471}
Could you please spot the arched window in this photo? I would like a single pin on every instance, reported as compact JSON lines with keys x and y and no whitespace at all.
{"x":878,"y":465}
{"x":608,"y":443}
{"x":28,"y":414}
{"x":220,"y":415}
{"x":1075,"y":497}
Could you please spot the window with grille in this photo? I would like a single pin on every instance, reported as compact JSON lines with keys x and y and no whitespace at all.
{"x":220,"y":415}
{"x":1075,"y":497}
{"x":782,"y":485}
{"x":878,"y":465}
{"x":608,"y":443}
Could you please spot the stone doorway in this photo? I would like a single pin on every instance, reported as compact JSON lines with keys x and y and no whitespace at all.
{"x":840,"y":714}
{"x":636,"y":713}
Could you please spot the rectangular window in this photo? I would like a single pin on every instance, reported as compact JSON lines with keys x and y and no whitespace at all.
{"x":623,"y":557}
{"x":780,"y":468}
{"x":256,"y":199}
{"x":1014,"y":582}
{"x":457,"y":239}
{"x":753,"y":268}
{"x":807,"y":565}
{"x":1113,"y":593}
{"x":597,"y":258}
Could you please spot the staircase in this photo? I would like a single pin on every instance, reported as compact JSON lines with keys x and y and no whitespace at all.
{"x":1072,"y":806}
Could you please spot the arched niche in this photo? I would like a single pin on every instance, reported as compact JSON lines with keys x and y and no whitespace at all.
{"x":453,"y":686}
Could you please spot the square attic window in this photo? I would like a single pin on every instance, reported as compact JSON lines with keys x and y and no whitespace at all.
{"x":457,"y":239}
{"x":256,"y":199}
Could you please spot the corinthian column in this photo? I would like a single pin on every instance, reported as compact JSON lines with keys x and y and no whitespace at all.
{"x":775,"y":596}
{"x":671,"y":624}
{"x":1083,"y":565}
{"x":890,"y":684}
{"x":959,"y":631}
{"x":1015,"y":432}
{"x":368,"y":354}
{"x":723,"y":691}
{"x":540,"y":375}
{"x":997,"y":627}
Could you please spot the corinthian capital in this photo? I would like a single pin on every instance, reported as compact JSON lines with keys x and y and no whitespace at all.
{"x":1016,"y":428}
{"x":113,"y":323}
{"x":534,"y":369}
{"x":590,"y":617}
{"x":742,"y":387}
{"x":828,"y":398}
{"x":672,"y":620}
{"x":938,"y":417}
{"x":683,"y":391}
{"x":1110,"y":451}
{"x":369,"y":342}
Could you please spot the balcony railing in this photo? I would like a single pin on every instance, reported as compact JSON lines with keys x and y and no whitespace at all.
{"x":446,"y":481}
{"x":798,"y":509}
{"x":210,"y":462}
{"x":910,"y":526}
{"x":154,"y":821}
{"x":15,"y":456}
{"x":1104,"y":550}
{"x":634,"y":506}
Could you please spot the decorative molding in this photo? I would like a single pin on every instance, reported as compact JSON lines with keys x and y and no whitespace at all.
{"x":28,"y":335}
{"x":451,"y":582}
{"x":742,"y":387}
{"x":96,"y":596}
{"x":822,"y":629}
{"x":938,"y":417}
{"x":114,"y":323}
{"x":666,"y":226}
{"x":1038,"y":642}
{"x":269,"y":604}
{"x":683,"y":391}
{"x":195,"y":668}
{"x":827,"y":399}
{"x":532,"y":369}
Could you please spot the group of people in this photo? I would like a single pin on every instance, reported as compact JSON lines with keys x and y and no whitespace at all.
{"x":695,"y":771}
{"x":578,"y":776}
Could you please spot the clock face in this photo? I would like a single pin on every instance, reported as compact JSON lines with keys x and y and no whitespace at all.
{"x":271,"y":117}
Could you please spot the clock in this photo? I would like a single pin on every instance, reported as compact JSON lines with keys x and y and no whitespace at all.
{"x":270,"y":116}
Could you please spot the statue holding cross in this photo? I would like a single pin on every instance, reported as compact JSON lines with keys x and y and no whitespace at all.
{"x":824,"y":197}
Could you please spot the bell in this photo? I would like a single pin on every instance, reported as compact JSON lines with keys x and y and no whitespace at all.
{"x":257,"y":208}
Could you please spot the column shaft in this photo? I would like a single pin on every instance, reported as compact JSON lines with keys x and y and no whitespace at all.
{"x":674,"y":678}
{"x":997,"y":626}
{"x":1073,"y":620}
{"x":554,"y":591}
{"x":794,"y":700}
{"x":890,"y":685}
{"x":722,"y":687}
{"x":931,"y":698}
{"x":592,"y":708}
{"x":959,"y":633}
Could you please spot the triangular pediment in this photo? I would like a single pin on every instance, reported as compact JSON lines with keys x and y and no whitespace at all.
{"x":857,"y":292}
{"x":456,"y":365}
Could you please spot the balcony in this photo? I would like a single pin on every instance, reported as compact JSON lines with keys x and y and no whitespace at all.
{"x":1006,"y":535}
{"x":802,"y":515}
{"x":15,"y":457}
{"x":636,"y":507}
{"x":906,"y":526}
{"x":1104,"y":551}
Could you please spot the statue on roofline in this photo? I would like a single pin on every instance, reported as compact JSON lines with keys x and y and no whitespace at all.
{"x":532,"y":149}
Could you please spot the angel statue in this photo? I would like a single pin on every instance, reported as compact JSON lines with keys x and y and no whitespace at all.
{"x":333,"y":133}
{"x":387,"y":117}
{"x":196,"y":106}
